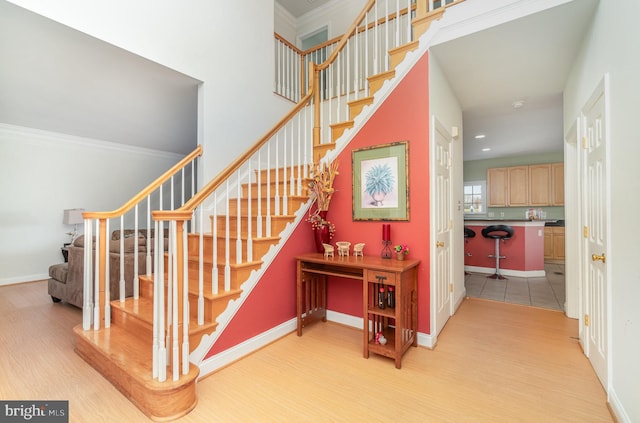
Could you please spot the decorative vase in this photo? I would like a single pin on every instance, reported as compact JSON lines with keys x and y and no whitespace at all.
{"x":378,"y":197}
{"x":321,"y":234}
{"x":400,"y":256}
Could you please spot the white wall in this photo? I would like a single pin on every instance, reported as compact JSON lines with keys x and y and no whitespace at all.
{"x":337,"y":16}
{"x":227,"y":45}
{"x":43,"y":173}
{"x":612,"y":46}
{"x":445,"y":106}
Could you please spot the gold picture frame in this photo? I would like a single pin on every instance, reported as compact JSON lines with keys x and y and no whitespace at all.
{"x":381,"y":182}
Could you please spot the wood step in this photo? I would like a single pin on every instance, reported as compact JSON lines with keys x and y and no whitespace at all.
{"x":281,"y":189}
{"x":260,"y":247}
{"x":421,"y":25}
{"x":377,"y":81}
{"x":136,"y":316}
{"x":320,"y":150}
{"x":293,"y":203}
{"x":125,"y":360}
{"x":278,"y":223}
{"x":281,"y":171}
{"x":397,"y":55}
{"x":337,"y":129}
{"x":356,"y":106}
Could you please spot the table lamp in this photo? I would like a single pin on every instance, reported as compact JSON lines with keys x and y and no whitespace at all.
{"x":73,"y":217}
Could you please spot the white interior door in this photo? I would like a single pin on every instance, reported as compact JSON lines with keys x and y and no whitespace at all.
{"x":595,"y":234}
{"x":441,"y":269}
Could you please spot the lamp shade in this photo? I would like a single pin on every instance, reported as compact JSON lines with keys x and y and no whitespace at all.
{"x":73,"y":216}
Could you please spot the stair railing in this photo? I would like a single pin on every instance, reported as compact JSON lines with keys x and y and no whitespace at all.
{"x":169,"y":191}
{"x":235,"y":203}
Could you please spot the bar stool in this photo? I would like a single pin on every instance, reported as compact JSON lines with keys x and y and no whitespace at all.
{"x":468,"y":233}
{"x":499,"y":233}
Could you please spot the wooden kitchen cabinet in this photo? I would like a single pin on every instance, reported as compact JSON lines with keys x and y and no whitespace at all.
{"x":540,"y":185}
{"x":518,"y":186}
{"x":497,"y":187}
{"x":554,"y":243}
{"x":557,"y":184}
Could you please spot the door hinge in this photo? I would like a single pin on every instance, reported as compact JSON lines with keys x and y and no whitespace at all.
{"x":586,"y":320}
{"x":450,"y":223}
{"x":585,"y":143}
{"x":586,"y":232}
{"x":450,"y":287}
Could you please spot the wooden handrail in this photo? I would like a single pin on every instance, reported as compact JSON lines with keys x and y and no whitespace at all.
{"x":287,"y":43}
{"x":148,"y":190}
{"x":184,"y":212}
{"x":346,"y":36}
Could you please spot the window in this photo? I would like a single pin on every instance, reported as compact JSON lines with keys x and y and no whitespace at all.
{"x":475,"y":197}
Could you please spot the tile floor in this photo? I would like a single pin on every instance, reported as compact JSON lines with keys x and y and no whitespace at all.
{"x":547,"y":292}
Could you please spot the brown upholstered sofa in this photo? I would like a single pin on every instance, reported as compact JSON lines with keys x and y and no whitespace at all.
{"x":66,"y":279}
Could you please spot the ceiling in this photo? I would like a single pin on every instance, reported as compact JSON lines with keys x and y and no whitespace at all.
{"x":299,"y":7}
{"x":523,"y":62}
{"x":57,"y":79}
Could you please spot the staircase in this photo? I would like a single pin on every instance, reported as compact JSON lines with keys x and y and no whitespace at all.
{"x":213,"y":253}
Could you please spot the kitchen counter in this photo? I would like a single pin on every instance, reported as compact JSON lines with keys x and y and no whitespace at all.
{"x":510,"y":222}
{"x":524,"y":251}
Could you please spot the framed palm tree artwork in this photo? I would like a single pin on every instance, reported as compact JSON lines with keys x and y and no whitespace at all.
{"x":381,"y":182}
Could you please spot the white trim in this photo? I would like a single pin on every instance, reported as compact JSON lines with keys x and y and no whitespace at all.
{"x":617,"y":408}
{"x":38,"y":135}
{"x":507,"y":272}
{"x":24,"y":279}
{"x":247,"y":347}
{"x":345,"y":319}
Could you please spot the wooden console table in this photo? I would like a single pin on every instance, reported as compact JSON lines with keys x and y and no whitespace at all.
{"x":398,"y":324}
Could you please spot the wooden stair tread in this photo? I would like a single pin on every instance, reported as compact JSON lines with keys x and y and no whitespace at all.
{"x":131,"y":353}
{"x":142,"y":308}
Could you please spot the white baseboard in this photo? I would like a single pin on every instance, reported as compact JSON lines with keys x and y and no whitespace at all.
{"x":24,"y":279}
{"x":617,"y":408}
{"x":507,"y":272}
{"x":245,"y":348}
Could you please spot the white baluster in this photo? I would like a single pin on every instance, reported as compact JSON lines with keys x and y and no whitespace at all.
{"x":276,"y":198}
{"x":268,"y":196}
{"x":136,"y":261}
{"x":227,"y":246}
{"x":238,"y":219}
{"x":185,"y":303}
{"x":121,"y":286}
{"x":250,"y":215}
{"x":107,"y":282}
{"x":259,"y":217}
{"x":96,"y":280}
{"x":87,"y":299}
{"x":200,"y":264}
{"x":215,"y":278}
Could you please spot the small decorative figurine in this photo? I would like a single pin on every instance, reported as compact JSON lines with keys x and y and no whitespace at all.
{"x":357,"y":249}
{"x":343,"y":248}
{"x":328,"y":250}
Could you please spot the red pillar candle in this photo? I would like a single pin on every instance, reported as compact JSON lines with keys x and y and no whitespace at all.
{"x":386,"y":232}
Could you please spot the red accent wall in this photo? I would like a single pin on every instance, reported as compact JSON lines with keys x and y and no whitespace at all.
{"x":404,"y":115}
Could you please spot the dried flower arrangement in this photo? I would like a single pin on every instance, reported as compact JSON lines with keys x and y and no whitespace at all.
{"x":321,"y":185}
{"x":321,"y":190}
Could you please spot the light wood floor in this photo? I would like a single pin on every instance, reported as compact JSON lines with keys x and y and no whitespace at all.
{"x":494,"y":362}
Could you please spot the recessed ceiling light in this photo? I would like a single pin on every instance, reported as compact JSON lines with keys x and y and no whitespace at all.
{"x":518,"y":104}
{"x":486,"y":149}
{"x":480,"y":136}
